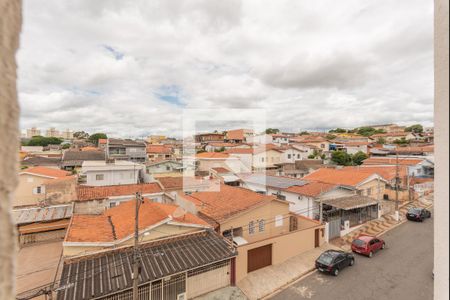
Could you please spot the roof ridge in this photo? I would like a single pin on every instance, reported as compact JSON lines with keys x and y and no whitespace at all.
{"x":112,"y":227}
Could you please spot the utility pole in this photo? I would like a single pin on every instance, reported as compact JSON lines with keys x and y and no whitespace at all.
{"x":397,"y":184}
{"x":135,"y":248}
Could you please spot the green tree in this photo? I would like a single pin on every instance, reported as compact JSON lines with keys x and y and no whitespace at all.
{"x":381,"y":141}
{"x":341,"y":158}
{"x":96,"y":136}
{"x":222,"y":149}
{"x":43,"y":141}
{"x":416,"y":128}
{"x":330,"y":137}
{"x":359,"y":157}
{"x":81,"y":135}
{"x":304,"y":133}
{"x":272,"y":131}
{"x":338,"y":130}
{"x":368,"y":131}
{"x":401,"y":142}
{"x":65,"y":146}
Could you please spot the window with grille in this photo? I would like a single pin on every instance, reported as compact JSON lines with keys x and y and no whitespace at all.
{"x":262,"y":225}
{"x":99,"y":177}
{"x":251,"y":227}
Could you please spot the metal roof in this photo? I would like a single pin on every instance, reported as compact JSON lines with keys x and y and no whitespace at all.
{"x":273,"y":181}
{"x":110,"y":272}
{"x":352,"y":202}
{"x":42,"y":214}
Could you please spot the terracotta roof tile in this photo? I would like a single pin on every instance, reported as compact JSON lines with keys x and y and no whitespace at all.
{"x":387,"y":172}
{"x":227,"y":202}
{"x":311,"y":189}
{"x":341,"y":177}
{"x":48,"y":172}
{"x":159,"y":149}
{"x":392,"y":161}
{"x":212,"y":155}
{"x":118,"y":223}
{"x":85,"y":193}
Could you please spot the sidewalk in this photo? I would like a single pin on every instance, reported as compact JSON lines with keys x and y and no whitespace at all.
{"x":264,"y":282}
{"x":382,"y":225}
{"x":228,"y":293}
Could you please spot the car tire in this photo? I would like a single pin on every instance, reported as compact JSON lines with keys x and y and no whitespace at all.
{"x":352,"y":262}
{"x":336,"y":272}
{"x":370,"y":254}
{"x":383,"y":247}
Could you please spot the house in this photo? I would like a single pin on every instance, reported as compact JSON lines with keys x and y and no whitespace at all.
{"x":218,"y":146}
{"x":266,"y":157}
{"x":319,"y":142}
{"x":31,"y":190}
{"x":180,"y":256}
{"x":393,"y":136}
{"x":155,"y":139}
{"x":355,"y":147}
{"x":102,"y":173}
{"x":73,"y":159}
{"x":188,"y":185}
{"x":204,"y":138}
{"x":159,"y":153}
{"x":261,"y":226}
{"x":114,"y":228}
{"x":165,"y":168}
{"x":280,"y":139}
{"x":126,"y":149}
{"x":36,"y":161}
{"x":42,"y":224}
{"x":208,"y":160}
{"x":225,"y":176}
{"x":96,"y":199}
{"x":292,"y":153}
{"x":245,"y":156}
{"x":420,"y":167}
{"x":260,"y":139}
{"x":238,"y":135}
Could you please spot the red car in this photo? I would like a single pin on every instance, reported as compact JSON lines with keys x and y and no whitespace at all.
{"x":367,"y":245}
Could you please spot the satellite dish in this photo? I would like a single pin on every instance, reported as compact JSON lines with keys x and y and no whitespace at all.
{"x":178,"y":213}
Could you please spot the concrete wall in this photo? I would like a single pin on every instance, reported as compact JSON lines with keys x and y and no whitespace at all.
{"x":112,"y":177}
{"x":60,"y":191}
{"x":10,"y":25}
{"x":283,"y":247}
{"x":25,"y":192}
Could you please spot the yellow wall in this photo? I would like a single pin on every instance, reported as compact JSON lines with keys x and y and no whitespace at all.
{"x":283,"y":247}
{"x":271,"y":157}
{"x":24,"y":192}
{"x":268,"y":213}
{"x":373,"y":185}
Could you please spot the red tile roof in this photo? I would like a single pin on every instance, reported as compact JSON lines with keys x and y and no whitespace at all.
{"x":239,"y":151}
{"x":341,"y":177}
{"x":47,"y":172}
{"x":311,"y":189}
{"x":387,"y":172}
{"x":102,"y":141}
{"x":118,"y":223}
{"x":86,"y":193}
{"x":159,"y":149}
{"x":177,"y":183}
{"x":227,"y":202}
{"x":237,"y":134}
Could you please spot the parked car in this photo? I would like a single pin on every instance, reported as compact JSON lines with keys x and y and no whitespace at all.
{"x":418,"y":214}
{"x":367,"y":245}
{"x":333,"y":261}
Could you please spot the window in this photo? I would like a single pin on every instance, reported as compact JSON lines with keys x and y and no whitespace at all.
{"x":369,"y":191}
{"x":112,"y":204}
{"x":298,"y":156}
{"x":251,"y":227}
{"x":262,"y":159}
{"x":262,"y":225}
{"x":99,"y":177}
{"x":37,"y":190}
{"x":278,"y":221}
{"x":167,"y":168}
{"x":289,"y":156}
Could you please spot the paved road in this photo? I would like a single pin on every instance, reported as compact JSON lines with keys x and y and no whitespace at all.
{"x":402,"y":271}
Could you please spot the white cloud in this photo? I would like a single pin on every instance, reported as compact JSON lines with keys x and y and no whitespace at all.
{"x":102,"y":65}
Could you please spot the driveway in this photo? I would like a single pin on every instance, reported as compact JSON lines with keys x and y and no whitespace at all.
{"x":403,"y":271}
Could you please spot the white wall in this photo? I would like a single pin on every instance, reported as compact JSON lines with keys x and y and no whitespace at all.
{"x":112,"y":177}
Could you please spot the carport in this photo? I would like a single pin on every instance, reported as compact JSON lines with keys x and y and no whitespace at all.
{"x":356,"y":209}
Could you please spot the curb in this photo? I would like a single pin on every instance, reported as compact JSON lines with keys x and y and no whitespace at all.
{"x":292,"y":282}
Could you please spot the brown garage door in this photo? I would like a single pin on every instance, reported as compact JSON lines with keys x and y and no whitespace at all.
{"x":259,"y":258}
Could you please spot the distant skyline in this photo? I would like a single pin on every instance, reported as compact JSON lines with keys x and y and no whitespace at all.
{"x":130,"y":68}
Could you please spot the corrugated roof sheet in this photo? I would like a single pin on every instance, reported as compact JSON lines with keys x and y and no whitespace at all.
{"x":42,"y":214}
{"x":110,"y":272}
{"x":352,"y":202}
{"x":273,"y":181}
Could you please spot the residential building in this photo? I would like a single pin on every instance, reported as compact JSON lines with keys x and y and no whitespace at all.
{"x":102,"y":173}
{"x":300,"y":168}
{"x":209,"y":137}
{"x":260,"y":139}
{"x":31,"y":190}
{"x":157,"y":153}
{"x":73,"y":159}
{"x":262,"y":227}
{"x":319,"y":142}
{"x":155,"y":139}
{"x":238,"y":135}
{"x":180,"y":255}
{"x":351,"y":147}
{"x":67,"y":134}
{"x":33,"y":132}
{"x":218,"y":146}
{"x":292,"y":153}
{"x":281,"y":139}
{"x":417,"y":167}
{"x":35,"y":161}
{"x":266,"y":157}
{"x":188,"y":185}
{"x":245,"y":156}
{"x":96,"y":199}
{"x":126,"y":149}
{"x":32,"y":149}
{"x":208,"y":160}
{"x":165,"y":168}
{"x":52,"y":132}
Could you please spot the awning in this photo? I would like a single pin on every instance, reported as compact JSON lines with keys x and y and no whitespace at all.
{"x":43,"y":227}
{"x":230,"y":178}
{"x":352,"y":202}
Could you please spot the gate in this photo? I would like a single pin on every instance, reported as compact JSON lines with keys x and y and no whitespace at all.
{"x":259,"y":258}
{"x":334,"y":227}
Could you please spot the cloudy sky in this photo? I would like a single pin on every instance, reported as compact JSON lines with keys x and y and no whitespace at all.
{"x":131,"y":68}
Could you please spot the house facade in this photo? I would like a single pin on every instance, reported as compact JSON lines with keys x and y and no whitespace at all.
{"x":126,"y":149}
{"x":165,"y":168}
{"x":101,"y":173}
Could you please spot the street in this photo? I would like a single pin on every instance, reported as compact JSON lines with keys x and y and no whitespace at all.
{"x":402,"y":271}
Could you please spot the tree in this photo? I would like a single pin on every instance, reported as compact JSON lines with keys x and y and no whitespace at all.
{"x":96,"y":136}
{"x":304,"y":133}
{"x":43,"y":141}
{"x":416,"y":128}
{"x":65,"y":146}
{"x":272,"y":131}
{"x":338,"y":130}
{"x":330,"y":137}
{"x":341,"y":158}
{"x":369,"y":131}
{"x":222,"y":149}
{"x":81,"y":135}
{"x":381,"y":141}
{"x":359,"y":157}
{"x":401,"y":141}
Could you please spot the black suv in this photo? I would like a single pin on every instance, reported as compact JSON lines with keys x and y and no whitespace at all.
{"x":333,"y":261}
{"x":418,"y":214}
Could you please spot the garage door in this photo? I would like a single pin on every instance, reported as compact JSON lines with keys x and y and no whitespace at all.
{"x":259,"y":258}
{"x":208,"y":279}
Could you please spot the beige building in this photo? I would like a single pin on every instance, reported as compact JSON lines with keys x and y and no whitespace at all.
{"x":31,"y":189}
{"x":52,"y":132}
{"x":33,"y":132}
{"x":155,"y":139}
{"x":262,"y":227}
